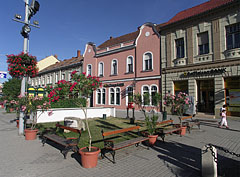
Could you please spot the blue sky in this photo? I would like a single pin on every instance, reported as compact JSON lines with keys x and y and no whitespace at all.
{"x":67,"y":25}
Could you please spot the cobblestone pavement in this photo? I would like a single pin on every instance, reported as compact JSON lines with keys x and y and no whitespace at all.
{"x":178,"y":156}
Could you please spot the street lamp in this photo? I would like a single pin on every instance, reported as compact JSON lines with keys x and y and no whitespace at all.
{"x":29,"y":12}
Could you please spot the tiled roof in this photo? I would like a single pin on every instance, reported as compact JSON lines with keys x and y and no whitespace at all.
{"x":196,"y":10}
{"x":62,"y":64}
{"x":121,"y":39}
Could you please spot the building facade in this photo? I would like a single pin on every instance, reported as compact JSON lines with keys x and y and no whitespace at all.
{"x":200,"y":53}
{"x":126,"y":65}
{"x":59,"y":71}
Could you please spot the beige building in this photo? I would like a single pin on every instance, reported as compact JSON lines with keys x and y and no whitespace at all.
{"x":58,"y":71}
{"x":200,"y":53}
{"x":44,"y":63}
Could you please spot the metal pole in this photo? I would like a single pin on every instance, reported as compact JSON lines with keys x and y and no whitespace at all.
{"x":23,"y":83}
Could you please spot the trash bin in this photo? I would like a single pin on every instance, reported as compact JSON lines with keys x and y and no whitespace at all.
{"x":164,"y":115}
{"x":104,"y":116}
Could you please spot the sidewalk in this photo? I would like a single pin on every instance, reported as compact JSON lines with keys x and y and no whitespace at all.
{"x":178,"y":156}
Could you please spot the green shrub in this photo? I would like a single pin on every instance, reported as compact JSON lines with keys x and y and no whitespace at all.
{"x":66,"y":103}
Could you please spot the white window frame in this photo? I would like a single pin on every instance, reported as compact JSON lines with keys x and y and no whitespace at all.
{"x":101,"y":91}
{"x":127,"y":93}
{"x":56,"y":77}
{"x":112,"y":67}
{"x":101,"y":69}
{"x":127,"y":62}
{"x":63,"y":76}
{"x":150,"y":93}
{"x":88,"y":70}
{"x":115,"y":96}
{"x":144,"y":66}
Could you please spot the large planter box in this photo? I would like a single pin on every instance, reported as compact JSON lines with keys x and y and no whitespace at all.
{"x":59,"y":114}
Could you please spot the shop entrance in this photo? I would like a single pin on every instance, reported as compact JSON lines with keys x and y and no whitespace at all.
{"x":205,"y":96}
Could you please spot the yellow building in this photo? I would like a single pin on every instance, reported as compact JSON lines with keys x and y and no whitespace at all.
{"x":44,"y":63}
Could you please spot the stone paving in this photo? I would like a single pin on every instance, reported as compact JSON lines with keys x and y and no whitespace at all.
{"x":178,"y":156}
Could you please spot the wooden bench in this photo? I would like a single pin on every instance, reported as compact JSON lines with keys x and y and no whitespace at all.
{"x":163,"y":131}
{"x":110,"y":146}
{"x":69,"y":144}
{"x":189,"y":123}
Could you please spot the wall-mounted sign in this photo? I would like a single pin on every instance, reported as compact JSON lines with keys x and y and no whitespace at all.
{"x":3,"y":74}
{"x":114,"y":85}
{"x":203,"y":73}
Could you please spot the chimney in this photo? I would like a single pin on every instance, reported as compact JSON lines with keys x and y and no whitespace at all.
{"x":111,"y":37}
{"x":78,"y":53}
{"x":56,"y":56}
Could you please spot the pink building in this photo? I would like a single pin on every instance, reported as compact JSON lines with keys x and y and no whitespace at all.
{"x":126,"y":65}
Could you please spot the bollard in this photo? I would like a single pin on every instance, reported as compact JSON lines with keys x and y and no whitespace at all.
{"x":209,"y":166}
{"x":104,"y":116}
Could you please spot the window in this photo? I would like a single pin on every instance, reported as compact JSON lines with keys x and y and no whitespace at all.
{"x":153,"y":93}
{"x":51,"y":78}
{"x":147,"y":62}
{"x":100,"y":69}
{"x":114,"y":96}
{"x":98,"y":96}
{"x":130,"y":64}
{"x":117,"y":96}
{"x":48,"y":80}
{"x":89,"y":70}
{"x":203,"y":44}
{"x":101,"y":96}
{"x":148,"y":94}
{"x":43,"y":80}
{"x":179,"y":48}
{"x":129,"y":94}
{"x":146,"y":100}
{"x":56,"y":79}
{"x":69,"y":75}
{"x":233,"y":36}
{"x":63,"y":76}
{"x":114,"y":67}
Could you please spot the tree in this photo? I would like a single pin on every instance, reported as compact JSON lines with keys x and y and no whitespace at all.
{"x":11,"y":88}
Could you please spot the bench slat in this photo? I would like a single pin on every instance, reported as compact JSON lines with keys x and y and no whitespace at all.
{"x":165,"y":122}
{"x":68,"y":128}
{"x":129,"y":142}
{"x":120,"y":131}
{"x":187,"y":117}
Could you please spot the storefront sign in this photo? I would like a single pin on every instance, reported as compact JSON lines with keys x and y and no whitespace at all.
{"x":203,"y":73}
{"x":114,"y":85}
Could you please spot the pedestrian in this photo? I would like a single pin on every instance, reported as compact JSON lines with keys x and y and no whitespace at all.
{"x":224,"y":119}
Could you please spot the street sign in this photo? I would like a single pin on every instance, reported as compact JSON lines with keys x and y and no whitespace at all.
{"x":3,"y":75}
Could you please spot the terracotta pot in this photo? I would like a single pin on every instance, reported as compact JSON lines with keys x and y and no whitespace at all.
{"x":30,"y":134}
{"x":183,"y":130}
{"x":17,"y":121}
{"x":11,"y":109}
{"x":89,"y":159}
{"x":152,"y":139}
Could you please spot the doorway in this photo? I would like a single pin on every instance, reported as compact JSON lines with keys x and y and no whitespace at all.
{"x":205,"y":96}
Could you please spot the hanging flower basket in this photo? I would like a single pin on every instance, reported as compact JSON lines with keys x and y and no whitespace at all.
{"x":22,"y":65}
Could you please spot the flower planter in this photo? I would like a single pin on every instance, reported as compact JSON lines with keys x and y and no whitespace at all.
{"x":89,"y":159}
{"x":152,"y":139}
{"x":30,"y":134}
{"x":11,"y":109}
{"x":183,"y":130}
{"x":130,"y":105}
{"x":17,"y":121}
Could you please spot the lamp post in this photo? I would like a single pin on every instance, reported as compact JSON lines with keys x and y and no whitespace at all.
{"x":29,"y":12}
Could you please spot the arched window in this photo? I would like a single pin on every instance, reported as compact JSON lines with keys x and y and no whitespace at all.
{"x":114,"y":67}
{"x":145,"y":93}
{"x":103,"y":96}
{"x":117,"y":96}
{"x":129,"y":94}
{"x":153,"y":94}
{"x":89,"y":70}
{"x":147,"y":62}
{"x":112,"y":96}
{"x":100,"y":69}
{"x":98,"y":96}
{"x":129,"y":64}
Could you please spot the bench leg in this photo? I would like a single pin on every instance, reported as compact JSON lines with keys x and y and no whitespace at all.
{"x":44,"y":140}
{"x":65,"y":152}
{"x":113,"y":156}
{"x":163,"y":137}
{"x":188,"y":129}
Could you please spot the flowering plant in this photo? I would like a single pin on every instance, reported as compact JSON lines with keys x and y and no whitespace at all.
{"x":30,"y":105}
{"x":179,"y":103}
{"x":60,"y":91}
{"x":22,"y":65}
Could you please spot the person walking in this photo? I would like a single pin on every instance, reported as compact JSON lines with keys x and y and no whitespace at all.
{"x":224,"y":119}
